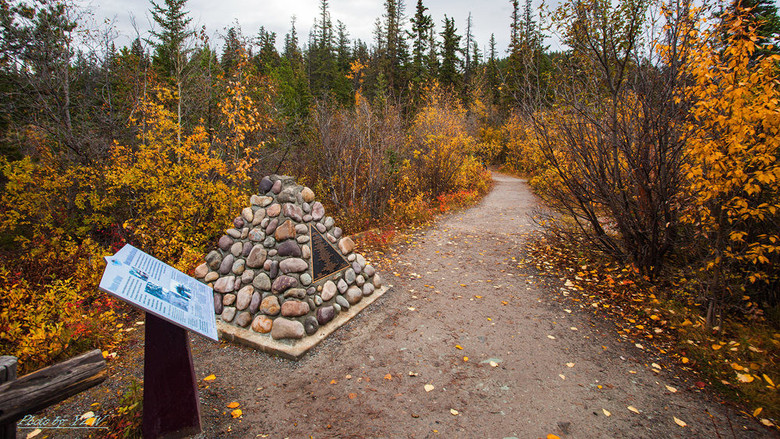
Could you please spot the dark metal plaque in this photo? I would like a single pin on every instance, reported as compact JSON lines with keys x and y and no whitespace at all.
{"x":326,"y":259}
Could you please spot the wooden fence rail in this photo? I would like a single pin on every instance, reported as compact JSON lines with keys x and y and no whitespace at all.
{"x":45,"y":387}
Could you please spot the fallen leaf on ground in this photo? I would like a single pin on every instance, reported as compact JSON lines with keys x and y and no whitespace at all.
{"x":352,"y":395}
{"x":671,"y":389}
{"x":569,"y":364}
{"x":33,"y":433}
{"x":679,"y":422}
{"x":715,"y":347}
{"x":333,"y":381}
{"x":767,"y":422}
{"x":233,"y":405}
{"x":639,"y":346}
{"x":465,"y":358}
{"x":493,"y":364}
{"x":606,"y":412}
{"x":453,"y":412}
{"x":655,"y":366}
{"x":428,"y":387}
{"x":413,"y":374}
{"x":563,"y":377}
{"x":552,"y":436}
{"x":633,"y":409}
{"x":757,"y":412}
{"x":457,"y":346}
{"x":87,"y":415}
{"x":551,"y":337}
{"x":744,"y":377}
{"x":236,"y":413}
{"x":388,"y":377}
{"x":211,"y":377}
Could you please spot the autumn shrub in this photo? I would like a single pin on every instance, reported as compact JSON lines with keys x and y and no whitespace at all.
{"x":443,"y":153}
{"x":613,"y":139}
{"x":733,"y":175}
{"x":522,"y":154}
{"x":59,"y":218}
{"x":170,"y":198}
{"x":357,"y":158}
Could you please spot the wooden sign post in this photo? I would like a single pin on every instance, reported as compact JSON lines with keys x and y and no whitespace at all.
{"x":171,"y":408}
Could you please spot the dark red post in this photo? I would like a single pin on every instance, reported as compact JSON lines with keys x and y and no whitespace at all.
{"x":171,"y":408}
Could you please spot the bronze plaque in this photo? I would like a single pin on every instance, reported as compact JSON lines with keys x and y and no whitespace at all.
{"x":326,"y":259}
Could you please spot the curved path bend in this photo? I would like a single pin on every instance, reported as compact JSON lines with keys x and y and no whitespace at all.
{"x":533,"y":368}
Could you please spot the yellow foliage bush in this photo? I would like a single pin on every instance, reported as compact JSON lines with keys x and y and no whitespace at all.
{"x":443,"y":154}
{"x":733,"y":175}
{"x":522,"y":153}
{"x":172,"y":198}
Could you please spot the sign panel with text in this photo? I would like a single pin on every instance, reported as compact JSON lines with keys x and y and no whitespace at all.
{"x":159,"y":289}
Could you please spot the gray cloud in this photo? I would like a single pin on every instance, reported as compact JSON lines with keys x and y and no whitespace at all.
{"x":358,"y":15}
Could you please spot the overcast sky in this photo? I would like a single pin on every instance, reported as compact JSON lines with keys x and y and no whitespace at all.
{"x":488,"y":16}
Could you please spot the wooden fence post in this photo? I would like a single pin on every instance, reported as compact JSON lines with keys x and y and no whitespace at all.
{"x":7,"y":373}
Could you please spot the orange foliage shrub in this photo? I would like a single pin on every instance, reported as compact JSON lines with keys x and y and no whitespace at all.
{"x":443,"y":154}
{"x":733,"y":176}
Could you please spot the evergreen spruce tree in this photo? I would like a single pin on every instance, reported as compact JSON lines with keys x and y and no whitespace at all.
{"x":170,"y":46}
{"x":422,"y":24}
{"x":449,"y":73}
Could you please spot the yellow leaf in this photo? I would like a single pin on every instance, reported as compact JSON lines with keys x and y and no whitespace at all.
{"x":236,"y":413}
{"x":453,"y":412}
{"x":233,"y":405}
{"x":33,"y":433}
{"x":428,"y":387}
{"x":352,"y":395}
{"x":457,"y":346}
{"x":679,"y":422}
{"x":744,"y":378}
{"x":766,"y":378}
{"x":671,"y":389}
{"x":633,"y":409}
{"x":211,"y":377}
{"x":333,"y":381}
{"x":606,"y":412}
{"x":388,"y":377}
{"x":767,"y":422}
{"x":91,"y":421}
{"x":685,"y":360}
{"x":757,"y":412}
{"x":736,"y":366}
{"x":569,"y":364}
{"x":465,"y":358}
{"x":715,"y":347}
{"x":552,"y":436}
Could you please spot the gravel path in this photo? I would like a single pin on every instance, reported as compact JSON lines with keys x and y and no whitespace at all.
{"x":398,"y":369}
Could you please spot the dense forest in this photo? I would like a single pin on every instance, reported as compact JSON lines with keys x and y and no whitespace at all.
{"x":654,"y":135}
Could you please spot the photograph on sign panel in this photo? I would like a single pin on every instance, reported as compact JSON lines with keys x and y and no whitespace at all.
{"x":139,"y":274}
{"x":178,"y":296}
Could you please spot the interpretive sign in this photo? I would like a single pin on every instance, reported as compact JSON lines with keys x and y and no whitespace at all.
{"x":326,"y":259}
{"x":160,"y":289}
{"x":174,"y":303}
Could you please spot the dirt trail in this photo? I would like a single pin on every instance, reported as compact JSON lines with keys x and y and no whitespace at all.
{"x":533,"y":368}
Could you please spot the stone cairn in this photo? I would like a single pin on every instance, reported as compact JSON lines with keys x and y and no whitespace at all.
{"x":283,"y":267}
